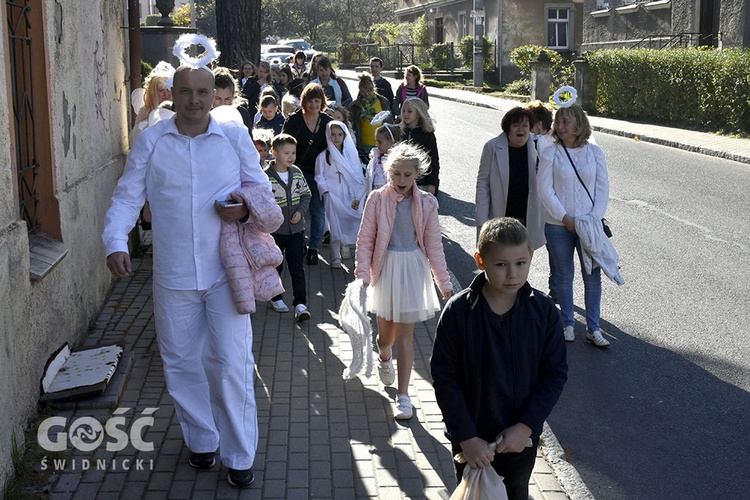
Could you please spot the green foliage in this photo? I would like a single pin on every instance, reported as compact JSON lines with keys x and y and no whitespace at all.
{"x":698,"y":88}
{"x":420,"y":31}
{"x":145,"y":70}
{"x":327,"y":22}
{"x":390,"y":33}
{"x":438,"y":83}
{"x":152,"y":19}
{"x":440,"y":55}
{"x":519,"y":87}
{"x":466,"y":49}
{"x":348,"y":53}
{"x":205,"y":16}
{"x":562,"y":72}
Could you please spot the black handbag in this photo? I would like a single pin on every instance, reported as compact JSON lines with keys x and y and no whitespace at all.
{"x":605,"y":223}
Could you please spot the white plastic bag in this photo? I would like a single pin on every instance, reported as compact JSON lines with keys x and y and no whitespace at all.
{"x":480,"y":484}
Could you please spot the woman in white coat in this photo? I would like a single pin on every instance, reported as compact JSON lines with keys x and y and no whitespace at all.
{"x":573,"y":183}
{"x":506,"y":182}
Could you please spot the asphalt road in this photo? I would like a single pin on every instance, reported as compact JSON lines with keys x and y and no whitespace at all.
{"x":664,"y":412}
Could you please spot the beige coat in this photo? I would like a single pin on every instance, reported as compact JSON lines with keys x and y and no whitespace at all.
{"x":492,"y":188}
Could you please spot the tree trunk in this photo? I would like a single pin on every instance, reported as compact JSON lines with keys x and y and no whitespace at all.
{"x":238,"y":31}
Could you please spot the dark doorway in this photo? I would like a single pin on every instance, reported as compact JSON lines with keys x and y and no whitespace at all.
{"x":709,"y":22}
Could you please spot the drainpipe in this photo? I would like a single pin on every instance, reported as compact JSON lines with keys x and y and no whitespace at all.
{"x":499,"y":41}
{"x":134,"y":46}
{"x":478,"y":38}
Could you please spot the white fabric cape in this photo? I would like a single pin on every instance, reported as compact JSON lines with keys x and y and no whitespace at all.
{"x":598,"y":250}
{"x":355,"y":322}
{"x":342,"y":177}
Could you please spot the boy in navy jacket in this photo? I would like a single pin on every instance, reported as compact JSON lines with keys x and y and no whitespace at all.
{"x":499,"y":360}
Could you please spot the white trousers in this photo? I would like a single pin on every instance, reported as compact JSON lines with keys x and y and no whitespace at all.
{"x":206,"y":347}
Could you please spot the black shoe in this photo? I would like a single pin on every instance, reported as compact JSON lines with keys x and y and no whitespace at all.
{"x":203,"y":460}
{"x":326,"y":238}
{"x":312,"y":257}
{"x":240,"y":478}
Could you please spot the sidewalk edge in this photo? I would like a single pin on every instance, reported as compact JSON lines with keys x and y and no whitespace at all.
{"x":565,"y":472}
{"x":674,"y":144}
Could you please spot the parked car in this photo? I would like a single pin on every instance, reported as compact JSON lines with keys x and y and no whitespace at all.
{"x":300,"y":44}
{"x":276,"y":54}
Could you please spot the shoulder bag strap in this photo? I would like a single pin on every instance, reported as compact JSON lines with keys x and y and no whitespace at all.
{"x":579,"y":177}
{"x":312,"y":138}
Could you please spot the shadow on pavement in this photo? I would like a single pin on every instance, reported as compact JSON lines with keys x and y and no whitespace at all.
{"x":647,"y":409}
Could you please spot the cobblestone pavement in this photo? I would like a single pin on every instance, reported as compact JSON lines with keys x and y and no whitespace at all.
{"x":320,"y":436}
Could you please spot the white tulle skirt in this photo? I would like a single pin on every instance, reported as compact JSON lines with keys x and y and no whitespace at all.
{"x":404,"y":292}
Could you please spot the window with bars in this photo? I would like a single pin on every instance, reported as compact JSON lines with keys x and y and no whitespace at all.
{"x":22,"y":80}
{"x":30,"y":131}
{"x":439,"y":31}
{"x":558,"y":28}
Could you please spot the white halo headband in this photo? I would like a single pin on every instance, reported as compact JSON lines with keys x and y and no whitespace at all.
{"x":573,"y":96}
{"x":186,"y":41}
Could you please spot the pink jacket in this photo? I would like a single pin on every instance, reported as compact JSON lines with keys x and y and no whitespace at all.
{"x":377,"y":226}
{"x":249,"y":253}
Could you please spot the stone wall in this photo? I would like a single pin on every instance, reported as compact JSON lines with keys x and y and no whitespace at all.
{"x":622,"y":30}
{"x":86,"y":54}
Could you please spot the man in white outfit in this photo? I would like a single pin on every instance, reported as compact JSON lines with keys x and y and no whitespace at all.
{"x":183,"y":165}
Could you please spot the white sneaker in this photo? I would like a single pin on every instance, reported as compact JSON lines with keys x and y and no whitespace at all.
{"x":386,"y":372}
{"x":597,"y":339}
{"x":404,"y":409}
{"x":569,"y":334}
{"x":345,"y":252}
{"x":301,"y":313}
{"x":279,"y":306}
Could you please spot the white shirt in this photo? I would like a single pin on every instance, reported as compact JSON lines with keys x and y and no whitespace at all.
{"x":182,"y":176}
{"x":559,"y":188}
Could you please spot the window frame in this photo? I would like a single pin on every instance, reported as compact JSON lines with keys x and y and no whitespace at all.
{"x":568,"y":23}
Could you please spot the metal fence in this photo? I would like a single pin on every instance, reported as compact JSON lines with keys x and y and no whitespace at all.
{"x":679,"y":40}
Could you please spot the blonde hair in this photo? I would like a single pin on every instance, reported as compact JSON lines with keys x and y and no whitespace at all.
{"x":366,"y":80}
{"x":341,"y":109}
{"x":288,"y":105}
{"x":266,"y":66}
{"x":151,"y":97}
{"x":405,"y":152}
{"x":425,"y":122}
{"x":582,"y":130}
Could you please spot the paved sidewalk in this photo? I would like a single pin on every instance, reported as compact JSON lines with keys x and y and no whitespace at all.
{"x":320,"y":437}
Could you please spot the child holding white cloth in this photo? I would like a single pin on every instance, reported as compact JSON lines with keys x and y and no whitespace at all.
{"x":341,"y":182}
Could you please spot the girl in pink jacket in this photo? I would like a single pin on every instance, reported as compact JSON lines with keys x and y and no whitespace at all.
{"x":399,"y":242}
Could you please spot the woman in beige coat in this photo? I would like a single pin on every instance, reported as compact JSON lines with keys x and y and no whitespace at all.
{"x":506,"y":182}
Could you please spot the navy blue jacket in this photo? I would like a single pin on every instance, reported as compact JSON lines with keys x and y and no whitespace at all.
{"x":427,"y":141}
{"x":535,"y":367}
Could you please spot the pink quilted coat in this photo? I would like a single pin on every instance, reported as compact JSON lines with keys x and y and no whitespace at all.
{"x":377,"y":226}
{"x":248,"y":251}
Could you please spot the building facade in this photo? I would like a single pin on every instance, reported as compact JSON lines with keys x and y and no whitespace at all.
{"x":665,"y":23}
{"x":507,"y":24}
{"x":64,"y":110}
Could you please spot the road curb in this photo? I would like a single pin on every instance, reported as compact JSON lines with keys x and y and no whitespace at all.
{"x":565,"y":472}
{"x":674,"y":144}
